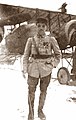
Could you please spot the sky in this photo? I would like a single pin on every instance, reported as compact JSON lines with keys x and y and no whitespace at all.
{"x":52,"y":5}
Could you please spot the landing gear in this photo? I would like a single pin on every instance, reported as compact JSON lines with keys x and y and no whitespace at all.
{"x":63,"y":76}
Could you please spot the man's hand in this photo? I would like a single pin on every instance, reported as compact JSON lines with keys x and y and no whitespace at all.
{"x":25,"y":75}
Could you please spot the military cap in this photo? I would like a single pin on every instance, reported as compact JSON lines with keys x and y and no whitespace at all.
{"x":41,"y":20}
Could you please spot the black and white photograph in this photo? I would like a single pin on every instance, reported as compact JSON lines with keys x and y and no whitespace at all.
{"x":37,"y":60}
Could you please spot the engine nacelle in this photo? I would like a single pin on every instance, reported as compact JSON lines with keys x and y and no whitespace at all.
{"x":67,"y":36}
{"x":70,"y":32}
{"x":16,"y":40}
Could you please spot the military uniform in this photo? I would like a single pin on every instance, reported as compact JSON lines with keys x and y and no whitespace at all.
{"x":39,"y":65}
{"x":42,"y":66}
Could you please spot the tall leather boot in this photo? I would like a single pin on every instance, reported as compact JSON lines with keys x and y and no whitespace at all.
{"x":42,"y":97}
{"x":31,"y":107}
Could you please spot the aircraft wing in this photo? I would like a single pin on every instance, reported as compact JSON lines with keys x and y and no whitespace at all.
{"x":15,"y":19}
{"x":12,"y":15}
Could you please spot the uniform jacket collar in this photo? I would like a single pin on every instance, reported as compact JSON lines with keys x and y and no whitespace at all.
{"x":41,"y":36}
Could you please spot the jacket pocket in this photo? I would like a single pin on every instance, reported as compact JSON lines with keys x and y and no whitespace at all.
{"x":48,"y":63}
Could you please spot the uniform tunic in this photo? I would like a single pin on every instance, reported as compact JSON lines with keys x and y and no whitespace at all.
{"x":39,"y":67}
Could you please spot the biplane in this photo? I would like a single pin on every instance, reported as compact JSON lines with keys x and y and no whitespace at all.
{"x":61,"y":25}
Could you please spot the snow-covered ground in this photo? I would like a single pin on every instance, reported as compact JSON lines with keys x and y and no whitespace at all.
{"x":14,"y":92}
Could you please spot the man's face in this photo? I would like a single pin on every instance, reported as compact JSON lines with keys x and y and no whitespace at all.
{"x":41,"y":28}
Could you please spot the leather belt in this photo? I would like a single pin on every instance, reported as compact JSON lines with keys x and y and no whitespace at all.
{"x":35,"y":56}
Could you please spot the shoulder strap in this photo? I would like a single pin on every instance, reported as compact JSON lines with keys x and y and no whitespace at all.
{"x":35,"y":46}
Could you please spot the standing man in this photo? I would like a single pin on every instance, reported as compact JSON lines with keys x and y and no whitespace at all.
{"x":63,"y":8}
{"x":38,"y":63}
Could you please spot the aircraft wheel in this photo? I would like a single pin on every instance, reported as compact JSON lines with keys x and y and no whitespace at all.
{"x":63,"y":75}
